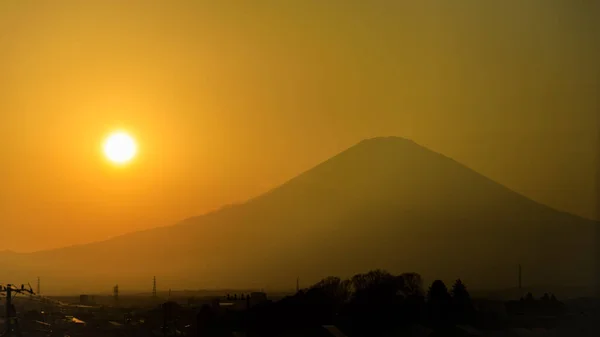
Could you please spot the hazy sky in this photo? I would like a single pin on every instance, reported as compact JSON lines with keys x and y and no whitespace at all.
{"x":228,"y":99}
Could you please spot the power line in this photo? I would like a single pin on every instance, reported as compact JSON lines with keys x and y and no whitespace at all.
{"x":12,"y":326}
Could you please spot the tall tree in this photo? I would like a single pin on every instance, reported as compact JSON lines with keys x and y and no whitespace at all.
{"x":439,"y":304}
{"x":375,"y":303}
{"x":462,"y":306}
{"x":414,"y":298}
{"x":336,"y":291}
{"x":412,"y":284}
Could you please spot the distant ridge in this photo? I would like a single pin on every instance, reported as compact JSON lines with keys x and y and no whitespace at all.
{"x":383,"y":203}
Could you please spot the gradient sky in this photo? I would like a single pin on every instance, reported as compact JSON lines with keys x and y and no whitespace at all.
{"x":228,"y":99}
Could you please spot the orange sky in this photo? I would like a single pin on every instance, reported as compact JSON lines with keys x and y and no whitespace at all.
{"x":230,"y":98}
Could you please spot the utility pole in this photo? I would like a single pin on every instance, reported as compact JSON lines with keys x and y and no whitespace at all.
{"x":165,"y":318}
{"x":154,"y":287}
{"x":11,"y":322}
{"x":9,"y":316}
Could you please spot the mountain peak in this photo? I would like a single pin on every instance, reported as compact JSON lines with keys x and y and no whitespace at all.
{"x":387,"y":141}
{"x":385,"y":203}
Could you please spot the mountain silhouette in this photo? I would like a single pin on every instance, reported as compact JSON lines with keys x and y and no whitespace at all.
{"x":384,"y":203}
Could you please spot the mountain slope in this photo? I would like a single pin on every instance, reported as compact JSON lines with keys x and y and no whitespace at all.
{"x":384,"y":203}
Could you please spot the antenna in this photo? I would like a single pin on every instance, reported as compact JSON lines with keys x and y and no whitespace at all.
{"x":116,"y":293}
{"x":154,"y":287}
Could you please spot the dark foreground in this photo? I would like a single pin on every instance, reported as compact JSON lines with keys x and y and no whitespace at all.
{"x":375,"y":304}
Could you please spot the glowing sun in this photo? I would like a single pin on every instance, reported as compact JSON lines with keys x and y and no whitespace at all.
{"x":120,"y":147}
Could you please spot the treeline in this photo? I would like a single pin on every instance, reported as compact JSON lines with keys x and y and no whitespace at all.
{"x":546,"y":305}
{"x":370,"y":304}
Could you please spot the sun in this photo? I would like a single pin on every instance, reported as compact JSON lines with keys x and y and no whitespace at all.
{"x":120,"y":147}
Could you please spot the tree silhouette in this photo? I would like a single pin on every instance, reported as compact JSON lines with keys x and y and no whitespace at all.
{"x":375,"y":303}
{"x":372,"y":304}
{"x":334,"y":288}
{"x":462,"y":306}
{"x":439,"y":304}
{"x":438,"y":291}
{"x":459,"y":289}
{"x":413,"y":284}
{"x":371,"y":280}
